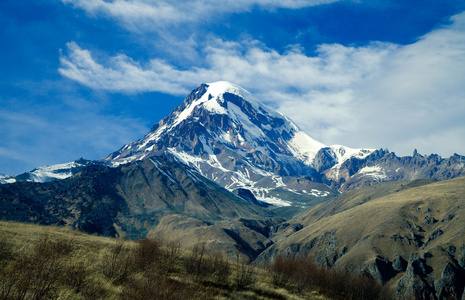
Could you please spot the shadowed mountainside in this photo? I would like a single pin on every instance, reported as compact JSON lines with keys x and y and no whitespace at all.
{"x":132,"y":200}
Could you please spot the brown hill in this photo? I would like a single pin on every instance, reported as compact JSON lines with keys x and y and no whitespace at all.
{"x":407,"y":235}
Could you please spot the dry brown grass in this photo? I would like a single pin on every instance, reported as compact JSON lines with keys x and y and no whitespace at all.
{"x":55,"y":263}
{"x":354,"y":235}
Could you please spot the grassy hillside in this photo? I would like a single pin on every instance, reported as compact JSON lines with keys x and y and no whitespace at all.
{"x":54,"y":263}
{"x":407,"y":235}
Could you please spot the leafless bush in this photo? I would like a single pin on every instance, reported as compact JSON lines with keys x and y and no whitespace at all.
{"x":36,"y":273}
{"x":171,"y":255}
{"x":221,"y":268}
{"x":304,"y":274}
{"x":282,"y":269}
{"x":76,"y":276}
{"x":245,"y":275}
{"x":147,"y":254}
{"x":6,"y":250}
{"x":196,"y":262}
{"x":93,"y":290}
{"x":116,"y":264}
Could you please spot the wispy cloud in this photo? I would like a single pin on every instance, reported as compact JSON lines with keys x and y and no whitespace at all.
{"x":122,"y":74}
{"x":336,"y":67}
{"x":375,"y":95}
{"x":144,"y":15}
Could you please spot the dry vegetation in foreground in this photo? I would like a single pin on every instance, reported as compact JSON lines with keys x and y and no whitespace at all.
{"x":51,"y":263}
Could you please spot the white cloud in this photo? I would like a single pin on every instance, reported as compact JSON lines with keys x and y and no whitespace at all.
{"x":336,"y":67}
{"x":417,"y":98}
{"x":144,"y":15}
{"x":377,"y":95}
{"x":122,"y":74}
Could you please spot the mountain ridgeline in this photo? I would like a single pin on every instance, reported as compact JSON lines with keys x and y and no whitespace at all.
{"x":237,"y":141}
{"x":232,"y":138}
{"x":226,"y":170}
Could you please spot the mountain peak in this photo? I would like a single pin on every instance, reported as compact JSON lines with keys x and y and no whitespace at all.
{"x":213,"y":97}
{"x":230,"y":137}
{"x":218,"y":88}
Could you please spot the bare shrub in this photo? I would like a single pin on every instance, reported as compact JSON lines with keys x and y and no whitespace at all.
{"x":76,"y":275}
{"x":116,"y":264}
{"x":36,"y":273}
{"x":46,"y":264}
{"x":171,"y":255}
{"x":147,"y":254}
{"x":6,"y":273}
{"x":156,"y":255}
{"x":245,"y":275}
{"x":304,"y":274}
{"x":6,"y":250}
{"x":14,"y":283}
{"x":221,"y":268}
{"x":196,"y":263}
{"x":282,"y":270}
{"x":93,"y":290}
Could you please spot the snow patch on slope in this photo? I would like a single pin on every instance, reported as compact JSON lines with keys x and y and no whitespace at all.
{"x":166,"y":173}
{"x":376,"y":172}
{"x":45,"y":173}
{"x":6,"y":179}
{"x":53,"y":172}
{"x":343,"y":153}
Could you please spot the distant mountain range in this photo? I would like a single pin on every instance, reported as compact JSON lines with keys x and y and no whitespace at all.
{"x":232,"y":138}
{"x":227,"y":170}
{"x":49,"y":173}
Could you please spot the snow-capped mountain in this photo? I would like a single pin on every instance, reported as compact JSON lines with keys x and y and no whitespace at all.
{"x":234,"y":139}
{"x":49,"y":173}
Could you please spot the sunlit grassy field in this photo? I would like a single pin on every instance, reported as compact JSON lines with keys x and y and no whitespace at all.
{"x":39,"y":262}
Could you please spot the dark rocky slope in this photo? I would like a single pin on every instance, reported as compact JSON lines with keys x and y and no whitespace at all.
{"x":134,"y":199}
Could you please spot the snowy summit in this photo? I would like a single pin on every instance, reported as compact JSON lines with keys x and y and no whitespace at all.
{"x":234,"y":139}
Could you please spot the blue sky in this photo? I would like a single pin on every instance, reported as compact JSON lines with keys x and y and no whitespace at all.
{"x":81,"y":78}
